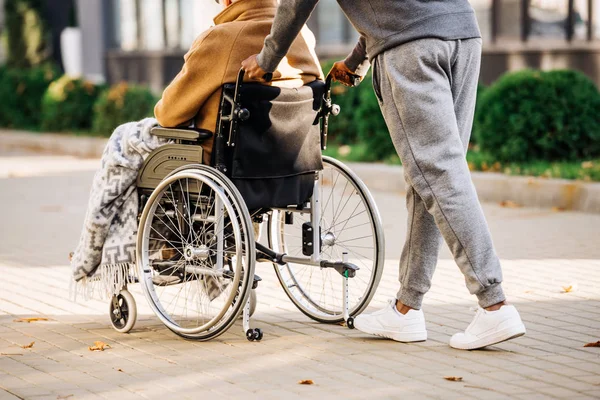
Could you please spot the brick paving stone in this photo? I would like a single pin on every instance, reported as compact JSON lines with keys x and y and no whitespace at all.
{"x":541,"y":251}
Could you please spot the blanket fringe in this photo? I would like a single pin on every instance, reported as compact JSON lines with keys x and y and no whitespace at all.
{"x":107,"y":281}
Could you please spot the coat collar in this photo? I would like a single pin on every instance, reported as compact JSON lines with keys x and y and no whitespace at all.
{"x":247,"y":10}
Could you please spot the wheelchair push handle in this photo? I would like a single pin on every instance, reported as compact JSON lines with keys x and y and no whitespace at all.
{"x":355,"y":80}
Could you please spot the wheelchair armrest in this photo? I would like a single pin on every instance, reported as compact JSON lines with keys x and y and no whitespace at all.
{"x":182,"y":133}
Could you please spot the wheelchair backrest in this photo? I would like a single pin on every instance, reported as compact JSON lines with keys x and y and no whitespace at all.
{"x":280,"y":139}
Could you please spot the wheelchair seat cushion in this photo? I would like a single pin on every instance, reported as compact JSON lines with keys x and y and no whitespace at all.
{"x":277,"y":150}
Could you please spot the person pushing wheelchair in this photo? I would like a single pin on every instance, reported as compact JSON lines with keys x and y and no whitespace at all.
{"x":426,"y":58}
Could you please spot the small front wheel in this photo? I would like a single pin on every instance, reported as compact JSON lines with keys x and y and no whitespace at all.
{"x":123,"y":311}
{"x":350,"y":323}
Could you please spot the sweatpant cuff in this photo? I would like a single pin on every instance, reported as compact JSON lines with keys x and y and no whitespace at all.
{"x":410,"y":298}
{"x":491,"y":295}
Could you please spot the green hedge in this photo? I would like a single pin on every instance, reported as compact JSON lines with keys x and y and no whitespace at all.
{"x":67,"y":105}
{"x":122,"y":103}
{"x":534,"y":115}
{"x":21,"y":91}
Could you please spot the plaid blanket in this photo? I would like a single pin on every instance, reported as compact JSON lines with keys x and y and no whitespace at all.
{"x":105,"y":253}
{"x":104,"y":260}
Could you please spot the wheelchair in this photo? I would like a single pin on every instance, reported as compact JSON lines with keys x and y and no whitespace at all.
{"x":196,"y":241}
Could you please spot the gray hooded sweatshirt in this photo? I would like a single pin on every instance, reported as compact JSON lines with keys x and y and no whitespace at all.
{"x":382,"y":24}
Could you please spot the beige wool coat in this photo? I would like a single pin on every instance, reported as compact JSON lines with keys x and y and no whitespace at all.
{"x":215,"y":59}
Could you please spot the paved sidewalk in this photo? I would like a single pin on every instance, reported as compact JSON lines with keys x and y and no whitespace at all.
{"x":42,"y":207}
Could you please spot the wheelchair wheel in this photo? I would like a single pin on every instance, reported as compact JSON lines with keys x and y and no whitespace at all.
{"x":195,"y":252}
{"x":122,"y":311}
{"x":350,"y":223}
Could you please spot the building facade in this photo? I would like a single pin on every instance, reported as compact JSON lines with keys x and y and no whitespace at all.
{"x":145,"y":40}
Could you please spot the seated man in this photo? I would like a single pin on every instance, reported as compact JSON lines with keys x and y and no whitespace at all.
{"x":215,"y":58}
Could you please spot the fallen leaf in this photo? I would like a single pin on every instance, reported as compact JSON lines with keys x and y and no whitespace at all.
{"x":306,"y":382}
{"x":559,"y":209}
{"x":28,"y":346}
{"x":570,"y":288}
{"x":509,"y":204}
{"x":99,"y":346}
{"x":597,"y":344}
{"x":29,"y":320}
{"x":453,"y":378}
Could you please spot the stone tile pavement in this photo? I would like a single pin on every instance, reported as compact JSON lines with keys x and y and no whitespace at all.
{"x":41,"y":208}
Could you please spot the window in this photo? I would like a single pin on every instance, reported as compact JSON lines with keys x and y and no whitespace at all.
{"x":127,"y":26}
{"x":151,"y":14}
{"x":548,"y":18}
{"x":483,"y":12}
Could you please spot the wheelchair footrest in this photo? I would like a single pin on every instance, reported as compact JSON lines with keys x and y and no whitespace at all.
{"x":344,"y":268}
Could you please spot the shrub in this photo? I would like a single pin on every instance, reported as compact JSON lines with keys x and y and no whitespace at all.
{"x":372,"y":130}
{"x":67,"y":104}
{"x":533,"y":115}
{"x":21,"y":91}
{"x":119,"y":104}
{"x":26,"y":33}
{"x":480,"y":90}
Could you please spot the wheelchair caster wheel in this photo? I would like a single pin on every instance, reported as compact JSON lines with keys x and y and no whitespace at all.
{"x":122,"y":311}
{"x":350,"y":322}
{"x":254,"y":334}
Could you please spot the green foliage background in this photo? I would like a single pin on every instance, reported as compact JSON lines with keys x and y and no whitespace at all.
{"x":119,"y":104}
{"x":534,"y":115}
{"x":67,"y":105}
{"x":21,"y":92}
{"x":27,"y":34}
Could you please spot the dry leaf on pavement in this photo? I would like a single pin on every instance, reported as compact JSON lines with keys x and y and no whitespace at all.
{"x":453,"y":378}
{"x":29,"y":320}
{"x":597,"y":344}
{"x":510,"y":204}
{"x":306,"y":382}
{"x":28,"y":346}
{"x":99,"y":346}
{"x":570,"y":288}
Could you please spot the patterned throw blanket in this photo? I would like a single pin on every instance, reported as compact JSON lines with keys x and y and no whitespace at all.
{"x":105,"y":256}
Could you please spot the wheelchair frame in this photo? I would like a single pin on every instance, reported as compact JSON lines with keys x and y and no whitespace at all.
{"x":227,"y":138}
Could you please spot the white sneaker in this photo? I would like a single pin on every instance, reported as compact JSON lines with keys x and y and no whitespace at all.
{"x":488,"y":328}
{"x":389,"y":323}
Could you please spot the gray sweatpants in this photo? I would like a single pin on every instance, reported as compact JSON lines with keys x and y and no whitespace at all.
{"x":427,"y":90}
